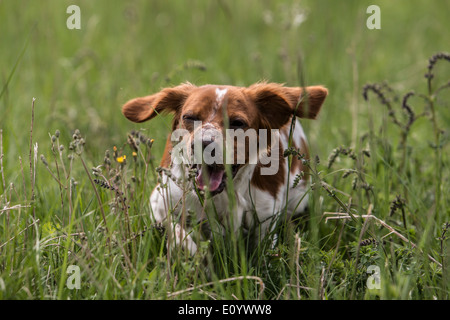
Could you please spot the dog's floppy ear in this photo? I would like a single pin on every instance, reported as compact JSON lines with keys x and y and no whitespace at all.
{"x":277,"y":103}
{"x":168,"y":100}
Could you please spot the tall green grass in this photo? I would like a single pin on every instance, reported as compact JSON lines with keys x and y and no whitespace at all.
{"x":78,"y":205}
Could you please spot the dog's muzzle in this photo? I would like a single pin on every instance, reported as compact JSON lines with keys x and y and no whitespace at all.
{"x":210,"y":165}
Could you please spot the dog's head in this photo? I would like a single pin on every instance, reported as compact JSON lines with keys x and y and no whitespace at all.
{"x":211,"y":119}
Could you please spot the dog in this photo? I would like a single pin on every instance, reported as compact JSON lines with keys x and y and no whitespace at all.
{"x":253,"y":184}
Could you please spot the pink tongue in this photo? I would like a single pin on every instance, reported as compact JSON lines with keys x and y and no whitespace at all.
{"x":215,"y":178}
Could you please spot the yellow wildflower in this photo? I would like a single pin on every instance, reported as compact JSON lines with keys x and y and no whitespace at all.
{"x":121,"y":159}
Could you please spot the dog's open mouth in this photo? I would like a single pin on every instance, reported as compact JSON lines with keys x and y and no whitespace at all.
{"x":214,"y":176}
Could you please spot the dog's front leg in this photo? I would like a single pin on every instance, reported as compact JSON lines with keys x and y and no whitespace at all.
{"x":165,"y":202}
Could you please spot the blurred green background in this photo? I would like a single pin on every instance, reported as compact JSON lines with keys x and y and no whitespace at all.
{"x":124,"y":49}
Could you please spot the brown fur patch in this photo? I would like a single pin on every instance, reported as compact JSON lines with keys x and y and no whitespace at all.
{"x":166,"y":160}
{"x":271,"y":184}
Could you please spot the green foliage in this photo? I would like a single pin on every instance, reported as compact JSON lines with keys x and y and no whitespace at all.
{"x":76,"y":175}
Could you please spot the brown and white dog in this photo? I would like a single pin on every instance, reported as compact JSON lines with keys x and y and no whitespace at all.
{"x":211,"y":119}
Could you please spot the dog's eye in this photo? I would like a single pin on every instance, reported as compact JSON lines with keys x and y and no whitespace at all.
{"x":237,"y":124}
{"x":190,"y":118}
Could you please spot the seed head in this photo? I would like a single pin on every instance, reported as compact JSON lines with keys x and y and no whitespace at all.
{"x":44,"y":161}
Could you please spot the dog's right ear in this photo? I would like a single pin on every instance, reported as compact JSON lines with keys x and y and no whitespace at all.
{"x":168,"y":100}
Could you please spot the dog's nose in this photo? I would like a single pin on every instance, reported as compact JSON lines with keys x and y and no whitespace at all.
{"x":204,"y":142}
{"x":207,"y":145}
{"x":206,"y":136}
{"x":208,"y":155}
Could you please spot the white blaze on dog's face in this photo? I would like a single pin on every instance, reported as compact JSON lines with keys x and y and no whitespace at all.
{"x":203,"y":114}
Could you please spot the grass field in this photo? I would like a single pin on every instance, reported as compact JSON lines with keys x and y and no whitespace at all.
{"x":387,"y":156}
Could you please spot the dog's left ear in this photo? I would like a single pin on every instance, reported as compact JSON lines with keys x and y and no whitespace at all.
{"x":168,"y":100}
{"x":277,"y":103}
